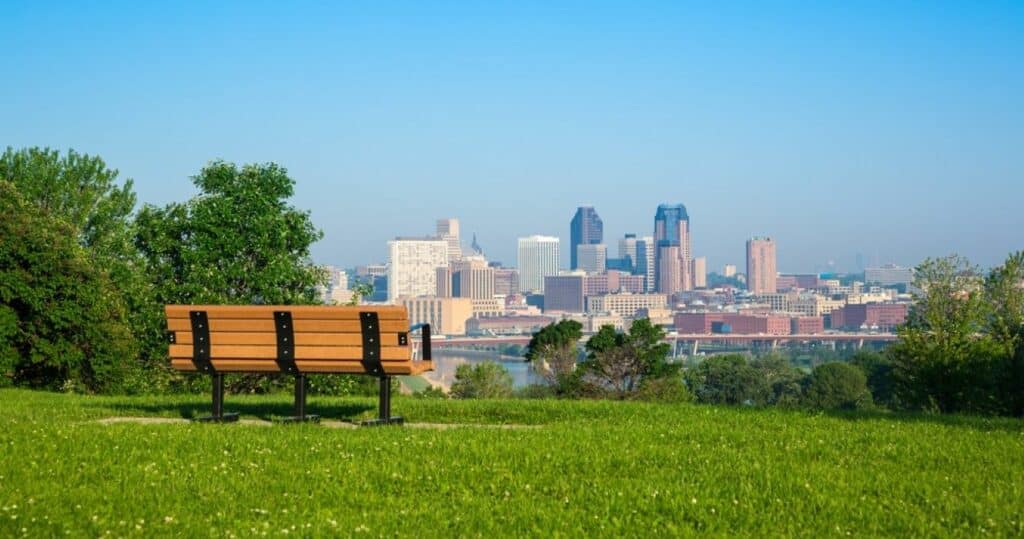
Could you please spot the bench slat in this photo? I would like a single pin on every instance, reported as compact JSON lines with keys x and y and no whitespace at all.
{"x":333,"y":353}
{"x":306,"y":366}
{"x":301,"y":326}
{"x":299,"y":312}
{"x":301,"y":339}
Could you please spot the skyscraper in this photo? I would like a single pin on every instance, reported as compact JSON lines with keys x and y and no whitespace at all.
{"x":538,"y":258}
{"x":448,"y":230}
{"x":700,"y":272}
{"x":672,"y":240}
{"x":586,"y":229}
{"x":412,"y":266}
{"x":627,"y":250}
{"x":645,"y":261}
{"x":474,"y":277}
{"x":592,"y":258}
{"x":761,"y":269}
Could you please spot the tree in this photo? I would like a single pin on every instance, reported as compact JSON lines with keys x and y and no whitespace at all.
{"x":877,"y":369}
{"x":552,"y":352}
{"x":784,"y":382}
{"x":63,"y":324}
{"x":727,"y":379}
{"x":837,"y":386}
{"x":238,"y":242}
{"x":80,"y":191}
{"x":486,"y":380}
{"x":619,"y":362}
{"x":1004,"y":293}
{"x":944,"y":358}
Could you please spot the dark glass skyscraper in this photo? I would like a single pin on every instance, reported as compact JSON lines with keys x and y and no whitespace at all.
{"x":586,"y":229}
{"x":672,"y":249}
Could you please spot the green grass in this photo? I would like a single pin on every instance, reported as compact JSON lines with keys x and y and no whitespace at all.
{"x":588,"y":469}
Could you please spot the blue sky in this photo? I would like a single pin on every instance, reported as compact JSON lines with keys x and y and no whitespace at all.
{"x":893,"y":130}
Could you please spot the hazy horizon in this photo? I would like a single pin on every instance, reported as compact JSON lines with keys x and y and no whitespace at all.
{"x":893,"y":132}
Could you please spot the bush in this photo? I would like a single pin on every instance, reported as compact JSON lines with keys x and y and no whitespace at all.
{"x":486,"y":380}
{"x":727,"y":379}
{"x":666,"y":389}
{"x":837,"y":386}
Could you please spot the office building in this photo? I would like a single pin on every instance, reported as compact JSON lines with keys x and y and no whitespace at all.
{"x":889,"y":275}
{"x":506,"y":281}
{"x":537,"y":259}
{"x":645,"y":261}
{"x":412,"y":266}
{"x":625,"y":305}
{"x":699,"y":272}
{"x":446,"y":316}
{"x":761,"y":269}
{"x":565,"y":293}
{"x":592,"y":258}
{"x":627,"y":252}
{"x":474,"y":278}
{"x":448,"y":230}
{"x":586,"y":228}
{"x":672,"y":249}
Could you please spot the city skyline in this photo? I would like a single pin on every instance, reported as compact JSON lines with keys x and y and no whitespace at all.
{"x":839,"y":132}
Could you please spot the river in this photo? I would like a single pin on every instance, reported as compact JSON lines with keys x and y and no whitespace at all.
{"x":445,"y":363}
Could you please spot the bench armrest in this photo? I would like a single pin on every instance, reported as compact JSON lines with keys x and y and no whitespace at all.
{"x":424,"y":330}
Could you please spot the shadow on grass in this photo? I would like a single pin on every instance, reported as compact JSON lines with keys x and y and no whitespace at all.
{"x":979,"y":423}
{"x":262,"y":410}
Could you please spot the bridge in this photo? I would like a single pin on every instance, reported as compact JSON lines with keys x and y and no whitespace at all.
{"x":694,"y":340}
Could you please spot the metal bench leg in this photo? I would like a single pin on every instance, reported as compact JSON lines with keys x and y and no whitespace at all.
{"x":384,"y":407}
{"x":300,"y":403}
{"x":218,"y":415}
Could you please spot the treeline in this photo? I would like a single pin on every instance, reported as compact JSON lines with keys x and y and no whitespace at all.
{"x":84,"y":274}
{"x":960,"y":351}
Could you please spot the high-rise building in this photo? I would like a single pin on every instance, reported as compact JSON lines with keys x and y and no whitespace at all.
{"x":761,"y":269}
{"x":412,"y":266}
{"x":627,"y":250}
{"x":538,"y":258}
{"x":448,"y":230}
{"x":565,"y":293}
{"x":592,"y":258}
{"x":475,"y":278}
{"x":586,"y":229}
{"x":700,"y":272}
{"x":645,"y":261}
{"x":444,"y":282}
{"x":672,"y":249}
{"x":889,"y":275}
{"x":506,"y":281}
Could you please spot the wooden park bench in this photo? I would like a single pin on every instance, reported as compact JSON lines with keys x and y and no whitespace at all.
{"x":296,"y":340}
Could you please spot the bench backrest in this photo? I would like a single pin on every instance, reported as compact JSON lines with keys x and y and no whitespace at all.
{"x":292,"y":339}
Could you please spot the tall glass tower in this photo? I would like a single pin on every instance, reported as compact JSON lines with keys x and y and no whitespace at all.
{"x":586,"y":229}
{"x":672,"y":249}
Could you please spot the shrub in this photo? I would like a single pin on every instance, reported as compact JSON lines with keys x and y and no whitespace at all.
{"x":665,"y":389}
{"x":727,"y":379}
{"x":837,"y":386}
{"x":486,"y":380}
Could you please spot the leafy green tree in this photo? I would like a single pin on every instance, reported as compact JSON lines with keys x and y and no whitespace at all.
{"x":837,"y":386}
{"x":552,"y":352}
{"x":620,"y":362}
{"x":727,"y":379}
{"x":1004,"y":293}
{"x":877,"y":369}
{"x":238,"y":242}
{"x":944,"y":359}
{"x":486,"y":380}
{"x":63,"y":324}
{"x":784,"y":382}
{"x":83,"y":193}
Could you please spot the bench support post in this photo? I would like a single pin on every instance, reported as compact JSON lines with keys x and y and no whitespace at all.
{"x":300,"y":403}
{"x":384,"y":407}
{"x":218,"y":415}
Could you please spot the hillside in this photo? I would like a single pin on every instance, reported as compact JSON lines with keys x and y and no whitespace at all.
{"x":559,"y":467}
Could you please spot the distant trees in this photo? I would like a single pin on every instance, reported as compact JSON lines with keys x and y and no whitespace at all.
{"x":552,"y":353}
{"x":620,"y":362}
{"x":728,"y":379}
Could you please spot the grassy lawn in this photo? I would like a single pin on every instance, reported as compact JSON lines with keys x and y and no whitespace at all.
{"x":587,"y":469}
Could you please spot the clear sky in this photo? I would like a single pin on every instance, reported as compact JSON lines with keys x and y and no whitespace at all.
{"x":893,"y":130}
